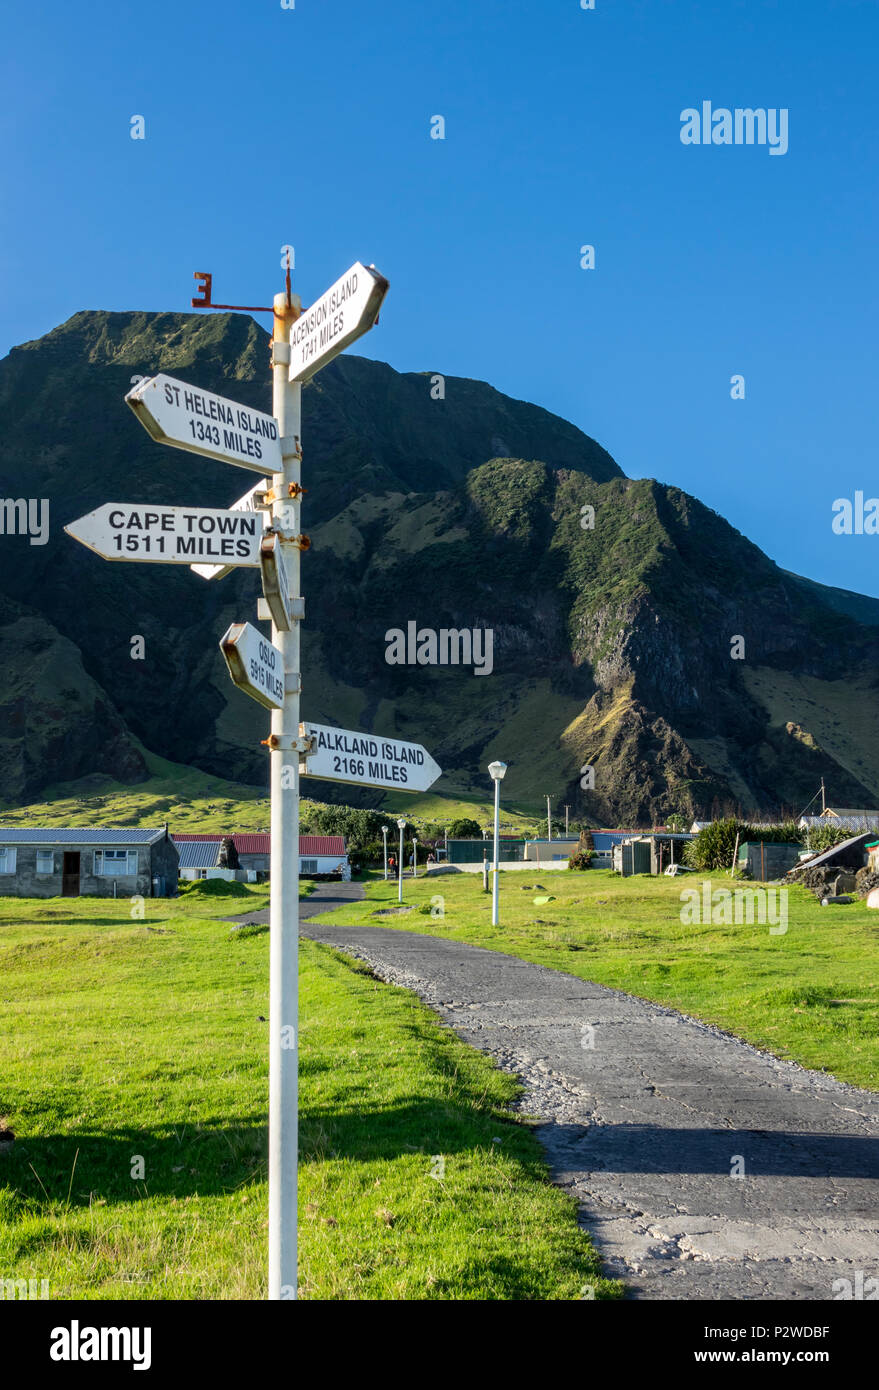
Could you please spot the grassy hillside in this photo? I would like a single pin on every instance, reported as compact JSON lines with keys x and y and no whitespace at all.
{"x":191,"y":800}
{"x":611,"y":602}
{"x":139,"y":1164}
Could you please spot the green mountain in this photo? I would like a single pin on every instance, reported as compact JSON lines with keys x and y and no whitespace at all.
{"x":612,"y":642}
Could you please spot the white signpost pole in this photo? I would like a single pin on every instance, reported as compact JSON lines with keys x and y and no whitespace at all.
{"x":284,"y":909}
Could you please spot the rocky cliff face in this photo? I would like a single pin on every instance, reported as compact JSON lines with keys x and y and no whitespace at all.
{"x":635,"y":633}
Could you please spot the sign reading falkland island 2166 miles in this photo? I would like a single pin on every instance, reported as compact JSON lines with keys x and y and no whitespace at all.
{"x":170,"y":535}
{"x":174,"y":412}
{"x":344,"y":312}
{"x":255,"y":664}
{"x":368,"y":759}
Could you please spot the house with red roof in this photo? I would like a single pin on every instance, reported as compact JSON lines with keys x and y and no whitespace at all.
{"x":318,"y":854}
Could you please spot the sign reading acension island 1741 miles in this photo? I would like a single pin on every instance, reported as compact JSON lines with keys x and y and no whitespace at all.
{"x":170,"y":535}
{"x":173,"y":412}
{"x":344,"y":312}
{"x":342,"y":755}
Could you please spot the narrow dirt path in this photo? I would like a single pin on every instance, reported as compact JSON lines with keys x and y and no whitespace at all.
{"x":705,"y":1169}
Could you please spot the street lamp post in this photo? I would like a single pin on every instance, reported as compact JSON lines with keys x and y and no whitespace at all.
{"x":385,"y":834}
{"x":414,"y":858}
{"x":497,"y":771}
{"x":402,"y":826}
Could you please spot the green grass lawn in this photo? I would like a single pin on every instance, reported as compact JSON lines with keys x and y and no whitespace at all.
{"x":133,"y":1058}
{"x":810,"y":995}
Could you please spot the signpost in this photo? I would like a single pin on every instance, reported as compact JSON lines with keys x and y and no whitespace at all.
{"x":170,"y":535}
{"x":255,"y":664}
{"x":174,"y":412}
{"x":343,"y":313}
{"x":367,"y":759}
{"x":262,"y":529}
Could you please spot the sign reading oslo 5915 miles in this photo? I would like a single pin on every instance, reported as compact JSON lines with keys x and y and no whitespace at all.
{"x":344,"y":756}
{"x":174,"y":412}
{"x":170,"y":535}
{"x":344,"y":312}
{"x":255,"y":664}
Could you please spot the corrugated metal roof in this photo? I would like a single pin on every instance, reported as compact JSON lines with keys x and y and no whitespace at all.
{"x":260,"y":842}
{"x":199,"y":854}
{"x":859,"y":822}
{"x":321,"y":844}
{"x":88,"y":835}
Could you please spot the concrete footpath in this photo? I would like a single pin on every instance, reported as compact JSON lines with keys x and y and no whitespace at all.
{"x":704,"y":1169}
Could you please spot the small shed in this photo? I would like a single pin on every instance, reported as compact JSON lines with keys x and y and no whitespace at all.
{"x":768,"y":859}
{"x":198,"y":858}
{"x":634,"y":856}
{"x":323,"y":854}
{"x":89,"y":861}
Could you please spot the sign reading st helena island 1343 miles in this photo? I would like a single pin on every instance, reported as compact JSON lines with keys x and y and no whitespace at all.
{"x":170,"y":535}
{"x":341,"y":755}
{"x":255,"y":664}
{"x":348,"y":309}
{"x":173,"y":412}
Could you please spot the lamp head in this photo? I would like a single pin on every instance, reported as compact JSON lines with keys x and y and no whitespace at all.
{"x":385,"y":829}
{"x":497,"y":771}
{"x":401,"y":824}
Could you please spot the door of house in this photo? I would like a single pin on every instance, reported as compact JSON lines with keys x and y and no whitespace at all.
{"x":70,"y":874}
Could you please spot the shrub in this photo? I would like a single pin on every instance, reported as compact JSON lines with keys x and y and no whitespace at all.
{"x":581,"y":860}
{"x":821,"y":837}
{"x":714,"y":846}
{"x":464,"y":829}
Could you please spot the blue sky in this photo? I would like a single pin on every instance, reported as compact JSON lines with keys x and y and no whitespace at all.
{"x":312,"y":126}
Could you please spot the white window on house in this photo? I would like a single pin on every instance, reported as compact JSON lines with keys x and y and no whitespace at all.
{"x":202,"y":873}
{"x":308,"y":866}
{"x":45,"y":861}
{"x":115,"y":863}
{"x":7,"y":860}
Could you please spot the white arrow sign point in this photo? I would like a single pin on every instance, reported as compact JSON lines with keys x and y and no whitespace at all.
{"x":170,"y":535}
{"x":174,"y":412}
{"x":348,"y":309}
{"x":342,"y":755}
{"x":255,"y":664}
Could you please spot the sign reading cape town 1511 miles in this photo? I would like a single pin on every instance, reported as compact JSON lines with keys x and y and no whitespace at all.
{"x":174,"y":412}
{"x":341,"y":755}
{"x":170,"y":535}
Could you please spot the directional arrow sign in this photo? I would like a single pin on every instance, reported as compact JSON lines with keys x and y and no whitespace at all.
{"x":174,"y":412}
{"x":255,"y":664}
{"x":170,"y":535}
{"x":348,"y":309}
{"x":368,"y":759}
{"x":247,"y":503}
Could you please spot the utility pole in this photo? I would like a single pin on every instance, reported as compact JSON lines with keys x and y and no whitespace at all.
{"x":823,"y":805}
{"x":548,"y":821}
{"x":567,"y":808}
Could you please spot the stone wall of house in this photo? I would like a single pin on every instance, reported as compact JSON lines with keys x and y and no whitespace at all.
{"x":25,"y":882}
